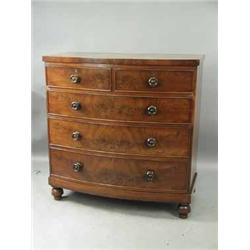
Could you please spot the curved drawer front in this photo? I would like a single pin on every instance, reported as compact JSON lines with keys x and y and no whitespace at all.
{"x":151,"y":141}
{"x":120,"y":108}
{"x":168,"y":175}
{"x":154,"y":80}
{"x":79,"y":77}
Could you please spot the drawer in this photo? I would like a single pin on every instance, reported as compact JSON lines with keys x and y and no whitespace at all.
{"x":135,"y":140}
{"x":79,"y":77}
{"x":168,"y":175}
{"x":139,"y":79}
{"x":120,"y":108}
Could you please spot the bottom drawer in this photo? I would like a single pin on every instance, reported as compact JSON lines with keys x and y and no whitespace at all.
{"x":169,"y":175}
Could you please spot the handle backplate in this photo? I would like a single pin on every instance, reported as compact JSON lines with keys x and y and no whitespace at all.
{"x":76,"y":135}
{"x":151,"y":110}
{"x":75,"y":78}
{"x":149,"y":175}
{"x":151,"y":142}
{"x":153,"y":81}
{"x":75,"y":106}
{"x":77,"y":166}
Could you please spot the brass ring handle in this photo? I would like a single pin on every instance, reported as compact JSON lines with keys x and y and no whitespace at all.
{"x":149,"y":175}
{"x":151,"y":110}
{"x":76,"y":106}
{"x":75,"y":78}
{"x":151,"y":142}
{"x":77,"y":167}
{"x":76,"y":135}
{"x":153,"y":81}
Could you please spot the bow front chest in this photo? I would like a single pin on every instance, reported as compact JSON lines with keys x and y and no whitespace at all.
{"x":123,"y":126}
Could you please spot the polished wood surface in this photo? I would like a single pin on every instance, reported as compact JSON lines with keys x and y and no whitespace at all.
{"x":117,"y":191}
{"x":90,"y":77}
{"x":169,"y":79}
{"x":124,"y":126}
{"x":196,"y":124}
{"x":126,"y":59}
{"x":171,"y":141}
{"x":170,"y":175}
{"x":184,"y":209}
{"x":57,"y":193}
{"x":121,"y":108}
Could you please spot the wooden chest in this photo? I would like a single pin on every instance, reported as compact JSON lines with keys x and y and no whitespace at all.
{"x":123,"y":126}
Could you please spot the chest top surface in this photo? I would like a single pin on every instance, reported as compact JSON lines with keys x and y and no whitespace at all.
{"x":119,"y":58}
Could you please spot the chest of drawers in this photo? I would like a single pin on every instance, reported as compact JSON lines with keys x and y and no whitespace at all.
{"x":124,"y":126}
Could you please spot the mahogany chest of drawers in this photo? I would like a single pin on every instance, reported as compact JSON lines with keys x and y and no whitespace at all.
{"x":123,"y":126}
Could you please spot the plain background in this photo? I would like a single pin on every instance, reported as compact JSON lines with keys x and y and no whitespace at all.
{"x":173,"y":28}
{"x":234,"y":53}
{"x":142,"y":27}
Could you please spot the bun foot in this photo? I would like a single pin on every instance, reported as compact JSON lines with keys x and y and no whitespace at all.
{"x":184,"y":209}
{"x":57,"y":193}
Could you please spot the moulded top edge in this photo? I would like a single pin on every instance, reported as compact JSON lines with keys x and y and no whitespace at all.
{"x":118,"y":58}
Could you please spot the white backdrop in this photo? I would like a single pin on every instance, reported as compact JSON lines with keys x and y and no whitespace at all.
{"x":126,"y":27}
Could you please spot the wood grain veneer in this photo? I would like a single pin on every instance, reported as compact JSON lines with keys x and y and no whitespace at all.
{"x":171,"y":141}
{"x":90,"y":77}
{"x":170,"y":79}
{"x":170,"y":175}
{"x":121,"y":108}
{"x":124,"y":126}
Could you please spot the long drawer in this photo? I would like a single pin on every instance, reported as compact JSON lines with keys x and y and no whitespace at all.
{"x":137,"y":140}
{"x":121,"y":108}
{"x":154,"y":79}
{"x":169,"y":175}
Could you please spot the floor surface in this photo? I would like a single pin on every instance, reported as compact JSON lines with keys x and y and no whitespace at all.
{"x":81,"y":221}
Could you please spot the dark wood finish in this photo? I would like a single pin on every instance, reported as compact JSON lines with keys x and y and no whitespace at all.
{"x":121,"y":108}
{"x":117,"y":192}
{"x":90,"y":77}
{"x":196,"y":118}
{"x":136,"y":79}
{"x":125,"y":59}
{"x":184,"y":209}
{"x":57,"y":193}
{"x":171,"y":141}
{"x":170,"y":175}
{"x":124,"y":126}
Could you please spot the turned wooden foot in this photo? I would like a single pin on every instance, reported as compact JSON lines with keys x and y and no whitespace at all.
{"x":57,"y":193}
{"x":184,"y":209}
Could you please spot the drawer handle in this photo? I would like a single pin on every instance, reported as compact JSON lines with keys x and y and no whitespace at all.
{"x":76,"y":106}
{"x":76,"y":136}
{"x":77,"y":167}
{"x":151,"y":142}
{"x":151,"y":110}
{"x":153,"y":81}
{"x":75,"y":79}
{"x":149,"y":175}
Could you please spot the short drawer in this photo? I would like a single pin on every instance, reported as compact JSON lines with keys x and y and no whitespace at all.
{"x":120,"y":108}
{"x":135,"y":140}
{"x":79,"y":77}
{"x":169,"y":175}
{"x":139,"y":79}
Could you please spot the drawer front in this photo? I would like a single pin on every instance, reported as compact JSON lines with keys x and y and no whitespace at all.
{"x":137,"y":109}
{"x":79,"y":77}
{"x":151,"y":141}
{"x":154,"y":80}
{"x":168,"y":175}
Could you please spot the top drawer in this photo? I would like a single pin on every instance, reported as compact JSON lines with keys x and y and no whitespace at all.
{"x":79,"y":77}
{"x":154,"y":79}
